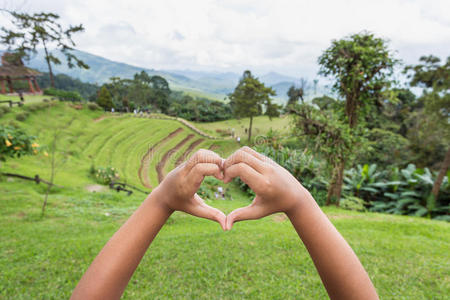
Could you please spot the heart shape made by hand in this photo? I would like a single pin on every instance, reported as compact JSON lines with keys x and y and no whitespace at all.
{"x":275,"y":188}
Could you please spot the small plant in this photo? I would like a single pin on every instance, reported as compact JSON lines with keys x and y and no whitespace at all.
{"x":93,"y":106}
{"x":15,"y":143}
{"x":353,"y":203}
{"x":106,"y":175}
{"x":21,"y":116}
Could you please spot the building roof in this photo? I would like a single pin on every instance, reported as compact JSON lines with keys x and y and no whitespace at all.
{"x":13,"y":66}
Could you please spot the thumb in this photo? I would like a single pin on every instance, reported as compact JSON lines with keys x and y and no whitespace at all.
{"x":205,"y":211}
{"x":251,"y":212}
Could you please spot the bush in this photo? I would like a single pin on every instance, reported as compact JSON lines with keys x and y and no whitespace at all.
{"x":106,"y":175}
{"x":93,"y":106}
{"x":63,"y":95}
{"x":21,"y":116}
{"x":4,"y":109}
{"x":398,"y":191}
{"x":14,"y":143}
{"x":353,"y":203}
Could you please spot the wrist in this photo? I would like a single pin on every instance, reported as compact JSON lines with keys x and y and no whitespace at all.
{"x":157,"y":198}
{"x":303,"y":202}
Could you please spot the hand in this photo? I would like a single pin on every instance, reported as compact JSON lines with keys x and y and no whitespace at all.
{"x":275,"y":188}
{"x":178,"y":189}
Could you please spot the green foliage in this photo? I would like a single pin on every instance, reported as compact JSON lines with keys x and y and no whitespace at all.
{"x":399,"y":191}
{"x":29,"y":31}
{"x":353,"y":203}
{"x":67,"y":83}
{"x":106,"y":175}
{"x":22,"y":116}
{"x":93,"y":106}
{"x":15,"y":142}
{"x":104,"y":99}
{"x":361,"y":65}
{"x":199,"y":110}
{"x":248,"y":98}
{"x":63,"y":95}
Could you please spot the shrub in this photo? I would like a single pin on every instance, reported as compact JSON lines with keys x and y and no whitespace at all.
{"x":353,"y":203}
{"x":63,"y":95}
{"x":93,"y":106}
{"x":14,"y":143}
{"x":106,"y":175}
{"x":21,"y":116}
{"x":4,"y":109}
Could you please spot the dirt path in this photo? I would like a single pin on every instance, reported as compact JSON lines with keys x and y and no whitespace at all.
{"x":186,"y":153}
{"x":145,"y":161}
{"x":163,"y":161}
{"x":213,"y":147}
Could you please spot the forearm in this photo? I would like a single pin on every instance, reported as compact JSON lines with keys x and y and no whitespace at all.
{"x":111,"y":270}
{"x":339,"y":268}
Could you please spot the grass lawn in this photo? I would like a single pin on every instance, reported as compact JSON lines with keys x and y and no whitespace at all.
{"x":191,"y":258}
{"x":28,"y":98}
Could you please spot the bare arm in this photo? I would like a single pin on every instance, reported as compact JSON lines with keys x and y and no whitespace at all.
{"x":278,"y":191}
{"x":109,"y":273}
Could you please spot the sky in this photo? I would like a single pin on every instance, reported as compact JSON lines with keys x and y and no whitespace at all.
{"x":235,"y":35}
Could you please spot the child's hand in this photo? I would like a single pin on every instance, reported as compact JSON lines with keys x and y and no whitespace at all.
{"x":275,"y":188}
{"x":178,"y":189}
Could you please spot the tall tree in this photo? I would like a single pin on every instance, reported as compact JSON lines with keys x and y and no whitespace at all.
{"x":434,"y":78}
{"x":361,"y":66}
{"x":248,"y":98}
{"x":29,"y":31}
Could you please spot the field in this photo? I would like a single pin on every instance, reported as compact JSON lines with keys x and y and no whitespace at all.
{"x":261,"y":125}
{"x":133,"y":146}
{"x":406,"y":257}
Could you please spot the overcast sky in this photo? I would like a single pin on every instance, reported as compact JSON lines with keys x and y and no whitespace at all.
{"x":285,"y":36}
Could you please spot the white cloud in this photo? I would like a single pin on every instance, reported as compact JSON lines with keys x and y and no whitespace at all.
{"x":282,"y":35}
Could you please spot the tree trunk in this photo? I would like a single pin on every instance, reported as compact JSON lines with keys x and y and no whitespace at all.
{"x":250,"y":129}
{"x":440,"y":177}
{"x":335,"y":187}
{"x":50,"y":72}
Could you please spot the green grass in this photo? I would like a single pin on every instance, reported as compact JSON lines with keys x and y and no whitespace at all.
{"x":28,"y":98}
{"x":406,"y":257}
{"x":261,"y":125}
{"x":116,"y":141}
{"x":43,"y":258}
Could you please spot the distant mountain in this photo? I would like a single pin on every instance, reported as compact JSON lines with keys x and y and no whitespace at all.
{"x":198,"y":83}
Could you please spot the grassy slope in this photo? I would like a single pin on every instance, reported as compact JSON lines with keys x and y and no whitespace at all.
{"x":261,"y":125}
{"x":119,"y":141}
{"x":406,"y":257}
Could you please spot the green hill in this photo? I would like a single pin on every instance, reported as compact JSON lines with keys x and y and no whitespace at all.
{"x":133,"y":146}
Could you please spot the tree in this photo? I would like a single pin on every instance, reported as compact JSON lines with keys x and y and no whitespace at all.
{"x":324,"y":132}
{"x":435,"y":81}
{"x":361,"y":66}
{"x":248,"y":98}
{"x":42,"y":29}
{"x":104,"y":99}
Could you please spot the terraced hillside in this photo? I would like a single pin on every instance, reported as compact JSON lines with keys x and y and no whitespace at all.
{"x":141,"y":149}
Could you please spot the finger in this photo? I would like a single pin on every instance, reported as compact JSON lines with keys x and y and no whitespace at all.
{"x":246,"y":173}
{"x":199,"y":171}
{"x":205,"y":211}
{"x":241,"y":156}
{"x":251,"y":212}
{"x":203,"y":156}
{"x":254,"y":153}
